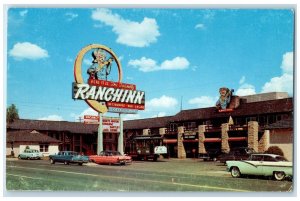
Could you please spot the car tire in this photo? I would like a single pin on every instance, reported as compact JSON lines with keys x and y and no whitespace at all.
{"x":279,"y":176}
{"x":235,"y":172}
{"x":52,"y":161}
{"x":66,"y":163}
{"x":19,"y":157}
{"x":214,"y":159}
{"x":80,"y":164}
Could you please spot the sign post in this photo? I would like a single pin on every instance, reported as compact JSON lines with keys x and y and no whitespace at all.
{"x":100,"y":134}
{"x":120,"y":139}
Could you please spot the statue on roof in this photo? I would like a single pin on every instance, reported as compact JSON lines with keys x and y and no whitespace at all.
{"x":224,"y":99}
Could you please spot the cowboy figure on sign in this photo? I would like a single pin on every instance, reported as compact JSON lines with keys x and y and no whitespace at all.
{"x":101,"y":67}
{"x":224,"y":99}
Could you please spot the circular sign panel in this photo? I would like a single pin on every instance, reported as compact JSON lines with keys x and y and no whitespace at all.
{"x":103,"y":59}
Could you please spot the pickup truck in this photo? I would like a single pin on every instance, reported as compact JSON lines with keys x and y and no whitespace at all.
{"x":68,"y":157}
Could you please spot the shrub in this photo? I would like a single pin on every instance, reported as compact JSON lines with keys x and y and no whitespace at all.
{"x":274,"y":150}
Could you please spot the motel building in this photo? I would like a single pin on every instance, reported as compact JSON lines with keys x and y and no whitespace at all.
{"x":259,"y":121}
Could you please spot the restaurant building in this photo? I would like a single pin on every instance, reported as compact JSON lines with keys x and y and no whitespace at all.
{"x":260,"y":121}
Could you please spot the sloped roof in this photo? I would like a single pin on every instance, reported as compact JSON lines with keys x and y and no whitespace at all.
{"x":72,"y":127}
{"x":29,"y":136}
{"x":158,"y":122}
{"x":245,"y":109}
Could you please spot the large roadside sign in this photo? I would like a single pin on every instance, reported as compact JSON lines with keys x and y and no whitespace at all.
{"x":100,"y":93}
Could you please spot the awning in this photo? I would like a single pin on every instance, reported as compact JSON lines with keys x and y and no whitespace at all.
{"x":170,"y":141}
{"x":212,"y":140}
{"x":237,"y":139}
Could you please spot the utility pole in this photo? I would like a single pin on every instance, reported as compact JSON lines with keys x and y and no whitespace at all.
{"x":80,"y":119}
{"x":181,"y":103}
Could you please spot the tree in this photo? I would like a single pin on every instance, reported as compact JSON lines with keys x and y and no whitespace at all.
{"x":11,"y":113}
{"x":275,"y":150}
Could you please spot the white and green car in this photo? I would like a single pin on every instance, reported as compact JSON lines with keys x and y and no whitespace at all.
{"x":262,"y":165}
{"x":30,"y":154}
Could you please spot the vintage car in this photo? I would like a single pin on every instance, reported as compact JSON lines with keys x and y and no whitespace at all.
{"x":261,"y":165}
{"x":111,"y":157}
{"x":238,"y":153}
{"x":212,"y":154}
{"x":30,"y":154}
{"x":68,"y":157}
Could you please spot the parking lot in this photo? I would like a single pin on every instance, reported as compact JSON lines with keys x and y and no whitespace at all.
{"x":165,"y":175}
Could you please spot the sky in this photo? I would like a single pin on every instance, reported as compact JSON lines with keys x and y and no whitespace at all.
{"x":179,"y":57}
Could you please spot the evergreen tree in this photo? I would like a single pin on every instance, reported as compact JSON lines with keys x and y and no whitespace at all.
{"x":11,"y":113}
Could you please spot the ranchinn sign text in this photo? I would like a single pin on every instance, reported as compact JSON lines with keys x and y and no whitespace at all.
{"x":101,"y":94}
{"x":117,"y":97}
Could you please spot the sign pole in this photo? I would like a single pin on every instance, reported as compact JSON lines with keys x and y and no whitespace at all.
{"x":120,"y":139}
{"x":100,"y":135}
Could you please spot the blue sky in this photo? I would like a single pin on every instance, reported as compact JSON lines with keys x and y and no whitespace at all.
{"x":171,"y":54}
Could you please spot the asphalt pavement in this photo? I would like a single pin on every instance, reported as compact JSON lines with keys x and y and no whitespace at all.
{"x":165,"y":175}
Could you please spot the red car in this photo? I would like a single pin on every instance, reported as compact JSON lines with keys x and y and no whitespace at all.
{"x":110,"y":157}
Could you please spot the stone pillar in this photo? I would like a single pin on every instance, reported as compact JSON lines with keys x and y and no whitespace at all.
{"x":162,"y":131}
{"x":264,"y":141}
{"x":253,"y":135}
{"x":180,"y":147}
{"x":146,"y":131}
{"x":224,"y":138}
{"x":201,"y":139}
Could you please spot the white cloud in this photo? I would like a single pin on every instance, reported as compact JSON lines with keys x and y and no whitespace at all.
{"x":148,"y":65}
{"x":69,"y":59}
{"x":88,"y":111}
{"x":162,"y":102}
{"x":283,"y":83}
{"x":245,"y":90}
{"x":27,"y":50}
{"x":71,"y":16}
{"x":52,"y":118}
{"x":242,"y":80}
{"x":200,"y":26}
{"x":129,"y":32}
{"x":87,"y":62}
{"x":287,"y":63}
{"x":178,"y":63}
{"x":203,"y":101}
{"x":131,"y":117}
{"x":23,"y":13}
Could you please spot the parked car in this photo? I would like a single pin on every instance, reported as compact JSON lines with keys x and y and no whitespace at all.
{"x":68,"y":157}
{"x":212,"y":154}
{"x":110,"y":157}
{"x":239,"y":153}
{"x":263,"y":165}
{"x":30,"y":154}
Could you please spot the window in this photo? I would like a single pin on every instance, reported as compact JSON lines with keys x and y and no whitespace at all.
{"x":44,"y":147}
{"x":269,"y":158}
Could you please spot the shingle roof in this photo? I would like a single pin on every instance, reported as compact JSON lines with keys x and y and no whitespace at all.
{"x":245,"y":109}
{"x":42,"y":125}
{"x":29,"y":136}
{"x":158,"y":122}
